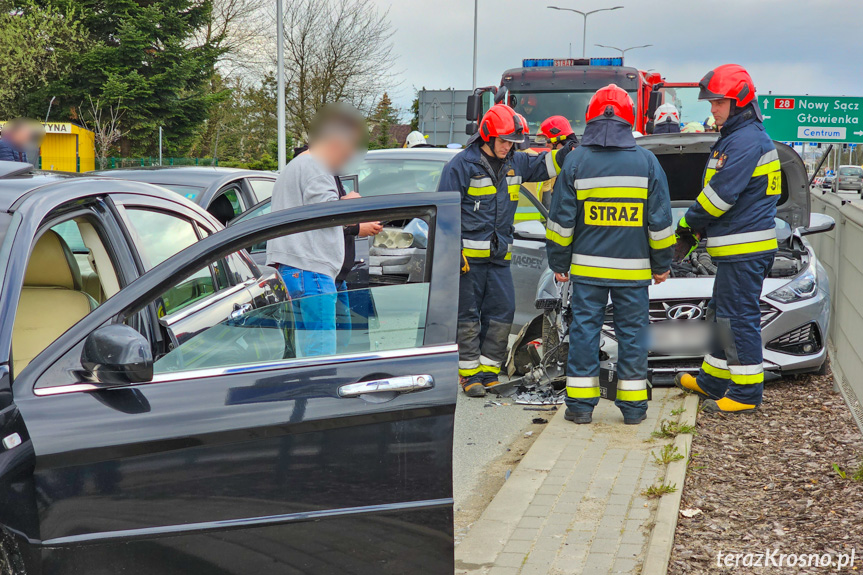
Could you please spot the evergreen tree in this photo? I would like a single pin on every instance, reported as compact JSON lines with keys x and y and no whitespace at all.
{"x":384,"y":117}
{"x":145,"y":55}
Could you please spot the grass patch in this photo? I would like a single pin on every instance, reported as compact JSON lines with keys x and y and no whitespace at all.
{"x":671,"y":429}
{"x":856,"y":475}
{"x":667,"y":454}
{"x":678,"y":411}
{"x":658,"y":490}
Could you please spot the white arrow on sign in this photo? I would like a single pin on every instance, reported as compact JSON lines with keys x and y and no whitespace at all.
{"x":766,"y":117}
{"x":860,"y":133}
{"x":765,"y":103}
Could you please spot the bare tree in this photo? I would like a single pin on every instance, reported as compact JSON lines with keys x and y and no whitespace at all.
{"x":335,"y":51}
{"x":241,"y":28}
{"x":105,"y":124}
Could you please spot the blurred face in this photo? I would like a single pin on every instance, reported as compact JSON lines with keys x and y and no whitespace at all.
{"x":721,"y":110}
{"x":337,"y":149}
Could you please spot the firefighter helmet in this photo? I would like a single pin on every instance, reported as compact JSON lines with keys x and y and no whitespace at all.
{"x":503,"y":122}
{"x":611,"y":102}
{"x":727,"y":81}
{"x":666,"y":113}
{"x":415,"y":139}
{"x":555,"y":129}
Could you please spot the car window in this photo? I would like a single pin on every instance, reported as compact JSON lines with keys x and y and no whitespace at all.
{"x":61,"y":285}
{"x":262,"y":209}
{"x":308,"y":324}
{"x":396,"y":176}
{"x":851,"y":171}
{"x":158,"y":236}
{"x":189,"y":192}
{"x":263,"y":188}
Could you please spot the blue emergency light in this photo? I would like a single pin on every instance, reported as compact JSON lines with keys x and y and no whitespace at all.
{"x":549,"y":62}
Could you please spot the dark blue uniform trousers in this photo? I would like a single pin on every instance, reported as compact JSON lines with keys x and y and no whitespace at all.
{"x":734,"y":367}
{"x":486,"y":307}
{"x":631,"y":319}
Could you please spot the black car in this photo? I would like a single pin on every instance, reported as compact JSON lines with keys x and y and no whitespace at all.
{"x":224,"y":192}
{"x":131,"y":446}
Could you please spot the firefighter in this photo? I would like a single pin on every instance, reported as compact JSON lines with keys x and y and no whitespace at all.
{"x":666,"y":120}
{"x":610,"y":232}
{"x":489,"y":173}
{"x":416,"y":139}
{"x":558,"y":133}
{"x":735,"y":212}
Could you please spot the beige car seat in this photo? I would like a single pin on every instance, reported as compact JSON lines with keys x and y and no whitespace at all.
{"x":51,"y":299}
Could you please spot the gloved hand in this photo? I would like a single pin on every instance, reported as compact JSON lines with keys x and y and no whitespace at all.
{"x":465,"y":267}
{"x":687,"y":241}
{"x":560,"y":155}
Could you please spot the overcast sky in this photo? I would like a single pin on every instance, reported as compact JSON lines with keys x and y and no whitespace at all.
{"x":789,"y":46}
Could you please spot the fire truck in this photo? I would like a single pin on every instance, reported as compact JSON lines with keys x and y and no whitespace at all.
{"x":547,"y":87}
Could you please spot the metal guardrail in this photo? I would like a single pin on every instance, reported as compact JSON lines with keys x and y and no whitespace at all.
{"x":841,"y":254}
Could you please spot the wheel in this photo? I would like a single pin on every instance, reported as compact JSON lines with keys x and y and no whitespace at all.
{"x":551,"y":339}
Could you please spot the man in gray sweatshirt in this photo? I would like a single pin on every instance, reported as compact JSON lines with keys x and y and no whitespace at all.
{"x":310,"y":261}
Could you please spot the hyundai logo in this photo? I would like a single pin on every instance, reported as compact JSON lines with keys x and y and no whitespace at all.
{"x":684,"y":311}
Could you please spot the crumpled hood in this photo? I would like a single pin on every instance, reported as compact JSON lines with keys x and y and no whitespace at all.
{"x":608,"y":133}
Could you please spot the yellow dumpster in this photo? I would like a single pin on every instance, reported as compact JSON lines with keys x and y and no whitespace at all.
{"x":66,"y":148}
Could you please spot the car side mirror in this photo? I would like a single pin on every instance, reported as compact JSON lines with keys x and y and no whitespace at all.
{"x":117,"y":355}
{"x":531,"y":230}
{"x":818,"y":223}
{"x":654,"y":101}
{"x":474,"y":107}
{"x":471,"y":128}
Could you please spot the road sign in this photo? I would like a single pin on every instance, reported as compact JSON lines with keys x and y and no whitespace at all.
{"x":813,"y":118}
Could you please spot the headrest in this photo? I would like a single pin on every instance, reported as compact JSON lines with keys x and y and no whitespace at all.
{"x":52,"y":264}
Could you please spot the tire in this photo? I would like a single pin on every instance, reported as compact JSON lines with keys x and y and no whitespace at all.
{"x":550,"y":339}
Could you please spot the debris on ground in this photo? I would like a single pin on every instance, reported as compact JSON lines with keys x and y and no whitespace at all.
{"x":768,"y":481}
{"x":539,"y":420}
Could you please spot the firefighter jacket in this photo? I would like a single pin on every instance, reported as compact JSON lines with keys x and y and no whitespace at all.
{"x":742,"y":182}
{"x":489,"y":201}
{"x":610,"y":220}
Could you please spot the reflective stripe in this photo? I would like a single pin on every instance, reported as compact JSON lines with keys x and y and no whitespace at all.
{"x":468,"y":372}
{"x":611,"y":182}
{"x":661,"y":239}
{"x":604,"y":193}
{"x":582,"y":381}
{"x":476,"y":253}
{"x":481,"y":187}
{"x":773,"y":166}
{"x":771,"y":156}
{"x":711,"y":163}
{"x":708,"y":175}
{"x":746,"y":369}
{"x":550,"y":165}
{"x":615,"y":263}
{"x":476,"y":249}
{"x":712,"y":203}
{"x":483,"y":360}
{"x":716,"y":362}
{"x":468,"y":364}
{"x":631,"y":384}
{"x":513,"y":180}
{"x":744,"y":243}
{"x":558,"y":234}
{"x":508,"y":255}
{"x":714,"y":371}
{"x":639,"y":395}
{"x":489,"y":369}
{"x":610,"y":268}
{"x":582,"y":387}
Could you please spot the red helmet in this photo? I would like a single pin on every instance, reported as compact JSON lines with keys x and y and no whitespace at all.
{"x":611,"y":102}
{"x":529,"y":101}
{"x":503,"y":122}
{"x":728,"y":81}
{"x":555,"y":129}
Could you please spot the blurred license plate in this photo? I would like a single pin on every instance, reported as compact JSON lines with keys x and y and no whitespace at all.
{"x":679,"y":337}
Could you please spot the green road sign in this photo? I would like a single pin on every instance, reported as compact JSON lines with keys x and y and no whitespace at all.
{"x":813,"y":118}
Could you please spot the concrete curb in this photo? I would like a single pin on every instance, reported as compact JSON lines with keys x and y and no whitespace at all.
{"x":658,"y":553}
{"x":487,"y":537}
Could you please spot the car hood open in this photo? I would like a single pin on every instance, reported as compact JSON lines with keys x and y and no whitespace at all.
{"x":684,"y":156}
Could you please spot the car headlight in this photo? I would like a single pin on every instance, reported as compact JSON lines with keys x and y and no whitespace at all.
{"x":393,"y":238}
{"x":802,"y":287}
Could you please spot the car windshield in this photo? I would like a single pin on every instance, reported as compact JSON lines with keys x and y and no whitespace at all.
{"x":537,"y":106}
{"x":690,"y":108}
{"x":851,"y":171}
{"x":379,"y":177}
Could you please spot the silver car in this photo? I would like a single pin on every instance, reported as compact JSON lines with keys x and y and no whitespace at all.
{"x":795,"y":302}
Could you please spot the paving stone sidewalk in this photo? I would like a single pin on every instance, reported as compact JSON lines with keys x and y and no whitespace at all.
{"x":574,"y":503}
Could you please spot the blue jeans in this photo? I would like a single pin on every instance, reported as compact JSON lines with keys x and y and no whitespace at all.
{"x":314,"y":298}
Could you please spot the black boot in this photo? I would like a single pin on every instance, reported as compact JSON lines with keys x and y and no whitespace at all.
{"x":579,"y":417}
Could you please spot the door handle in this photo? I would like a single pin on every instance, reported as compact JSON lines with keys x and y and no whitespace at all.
{"x":403,"y":384}
{"x":240,"y":310}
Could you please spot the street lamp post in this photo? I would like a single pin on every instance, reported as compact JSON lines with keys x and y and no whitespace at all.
{"x":280,"y":89}
{"x":585,"y":15}
{"x":623,"y":51}
{"x":475,"y":15}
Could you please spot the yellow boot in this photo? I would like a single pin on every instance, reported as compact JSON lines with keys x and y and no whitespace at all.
{"x":688,"y":383}
{"x":727,"y":405}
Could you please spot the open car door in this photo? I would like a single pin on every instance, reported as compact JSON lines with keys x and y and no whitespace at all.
{"x":248,"y":448}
